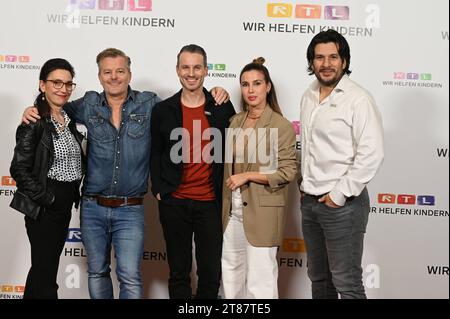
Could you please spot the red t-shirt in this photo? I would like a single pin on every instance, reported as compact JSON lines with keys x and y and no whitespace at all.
{"x":197,"y":174}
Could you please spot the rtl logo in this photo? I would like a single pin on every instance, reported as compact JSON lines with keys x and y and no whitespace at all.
{"x":217,"y":67}
{"x":294,"y":245}
{"x":412,"y":76}
{"x":297,"y":127}
{"x":74,"y":235}
{"x":132,"y":5}
{"x":8,"y":181}
{"x":11,"y":289}
{"x":15,"y":58}
{"x":307,"y":11}
{"x":406,"y":199}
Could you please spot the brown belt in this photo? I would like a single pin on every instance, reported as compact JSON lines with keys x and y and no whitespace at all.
{"x":118,"y":201}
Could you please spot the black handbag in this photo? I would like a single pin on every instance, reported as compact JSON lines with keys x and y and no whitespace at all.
{"x":24,"y":204}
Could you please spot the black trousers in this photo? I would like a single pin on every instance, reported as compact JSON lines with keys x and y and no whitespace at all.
{"x":181,"y":219}
{"x":47,"y":236}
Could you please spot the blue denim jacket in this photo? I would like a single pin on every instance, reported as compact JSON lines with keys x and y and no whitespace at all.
{"x":117,"y":160}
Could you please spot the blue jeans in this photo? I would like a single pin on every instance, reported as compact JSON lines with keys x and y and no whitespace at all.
{"x":123,"y":227}
{"x":334,"y":245}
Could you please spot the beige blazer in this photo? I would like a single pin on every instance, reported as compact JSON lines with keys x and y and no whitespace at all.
{"x":264,"y":206}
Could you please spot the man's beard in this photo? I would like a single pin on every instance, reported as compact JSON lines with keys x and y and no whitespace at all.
{"x":330,"y":82}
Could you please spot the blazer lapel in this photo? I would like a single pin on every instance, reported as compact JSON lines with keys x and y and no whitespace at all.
{"x":262,"y":123}
{"x":235,"y":124}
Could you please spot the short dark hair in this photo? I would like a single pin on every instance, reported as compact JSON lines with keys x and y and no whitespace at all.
{"x":193,"y":48}
{"x":48,"y":67}
{"x":326,"y":37}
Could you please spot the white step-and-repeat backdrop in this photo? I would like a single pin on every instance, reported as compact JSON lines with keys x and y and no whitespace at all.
{"x":399,"y":53}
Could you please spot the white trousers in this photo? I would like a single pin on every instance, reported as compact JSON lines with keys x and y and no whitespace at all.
{"x":248,"y":272}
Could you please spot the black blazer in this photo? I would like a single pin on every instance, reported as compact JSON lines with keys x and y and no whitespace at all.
{"x":33,"y":158}
{"x":166,"y":176}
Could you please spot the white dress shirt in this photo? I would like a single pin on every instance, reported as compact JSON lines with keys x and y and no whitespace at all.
{"x":342,"y":140}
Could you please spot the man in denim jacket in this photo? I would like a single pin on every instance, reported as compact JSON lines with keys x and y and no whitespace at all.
{"x":112,"y":210}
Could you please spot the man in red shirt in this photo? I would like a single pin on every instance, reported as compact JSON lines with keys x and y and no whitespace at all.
{"x":188,"y":186}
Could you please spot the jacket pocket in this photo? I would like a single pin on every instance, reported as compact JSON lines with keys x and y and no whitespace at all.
{"x":272,"y":200}
{"x":98,"y":129}
{"x":25,"y":205}
{"x":136,"y":125}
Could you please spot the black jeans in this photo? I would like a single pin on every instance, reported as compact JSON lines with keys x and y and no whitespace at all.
{"x":181,"y":219}
{"x":47,"y":236}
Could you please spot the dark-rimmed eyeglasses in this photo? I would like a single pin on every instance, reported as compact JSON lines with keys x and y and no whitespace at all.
{"x":58,"y":84}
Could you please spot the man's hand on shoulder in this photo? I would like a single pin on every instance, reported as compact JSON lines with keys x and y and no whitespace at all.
{"x":220,"y":95}
{"x":30,"y":114}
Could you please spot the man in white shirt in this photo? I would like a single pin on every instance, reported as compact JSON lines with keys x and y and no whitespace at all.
{"x":342,"y":149}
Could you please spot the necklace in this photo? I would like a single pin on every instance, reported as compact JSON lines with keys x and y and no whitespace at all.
{"x":62,"y":127}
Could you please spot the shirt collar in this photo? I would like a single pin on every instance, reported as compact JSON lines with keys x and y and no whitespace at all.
{"x":131,"y":95}
{"x":342,"y":85}
{"x":59,"y":125}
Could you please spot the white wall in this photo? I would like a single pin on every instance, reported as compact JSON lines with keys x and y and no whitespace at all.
{"x":406,"y":253}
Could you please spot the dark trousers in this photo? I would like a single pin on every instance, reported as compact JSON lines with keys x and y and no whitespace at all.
{"x":181,"y":219}
{"x":47,"y":236}
{"x":334,"y":246}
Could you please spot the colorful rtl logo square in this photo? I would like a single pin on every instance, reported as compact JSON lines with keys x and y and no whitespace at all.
{"x":337,"y":12}
{"x":11,"y":58}
{"x":294,"y":245}
{"x":279,"y":10}
{"x":83,"y":4}
{"x":220,"y":67}
{"x":210,"y":66}
{"x":8,"y":181}
{"x":386,"y":198}
{"x":308,"y":11}
{"x":111,"y":4}
{"x":425,"y":200}
{"x":140,"y":5}
{"x":425,"y":76}
{"x":74,"y":235}
{"x":412,"y":76}
{"x":19,"y":289}
{"x":24,"y":58}
{"x":399,"y":75}
{"x":406,"y":199}
{"x":297,"y":128}
{"x":7,"y":288}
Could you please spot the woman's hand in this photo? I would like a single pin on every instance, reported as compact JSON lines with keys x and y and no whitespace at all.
{"x":236,"y":181}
